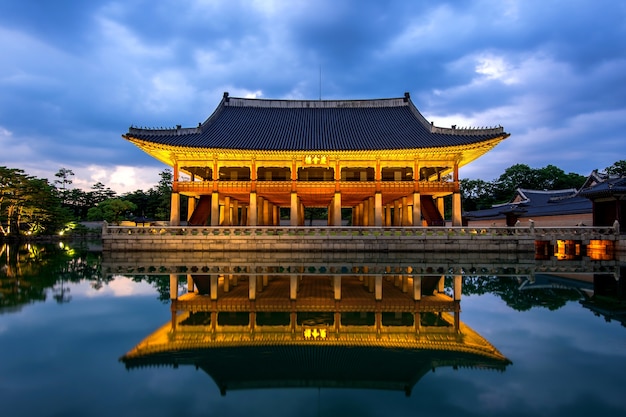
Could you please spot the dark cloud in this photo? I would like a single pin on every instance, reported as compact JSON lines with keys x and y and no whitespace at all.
{"x":77,"y":74}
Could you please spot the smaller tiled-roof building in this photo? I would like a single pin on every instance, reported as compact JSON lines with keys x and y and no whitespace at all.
{"x":600,"y":201}
{"x":608,"y":196}
{"x":545,"y":208}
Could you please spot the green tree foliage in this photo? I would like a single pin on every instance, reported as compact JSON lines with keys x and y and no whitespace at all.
{"x":29,"y":205}
{"x":617,"y":169}
{"x":113,"y":210}
{"x":155,"y":203}
{"x":479,"y":194}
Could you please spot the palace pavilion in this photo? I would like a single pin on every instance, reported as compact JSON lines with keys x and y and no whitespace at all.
{"x":379,"y":158}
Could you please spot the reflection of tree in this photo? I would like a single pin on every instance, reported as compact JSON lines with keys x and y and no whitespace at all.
{"x":508,"y":289}
{"x":28,"y":272}
{"x":160,"y":282}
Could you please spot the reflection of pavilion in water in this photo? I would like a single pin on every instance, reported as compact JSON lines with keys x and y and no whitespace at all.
{"x":357,"y":328}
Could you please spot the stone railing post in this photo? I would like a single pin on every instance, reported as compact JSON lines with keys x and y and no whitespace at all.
{"x":616,"y":227}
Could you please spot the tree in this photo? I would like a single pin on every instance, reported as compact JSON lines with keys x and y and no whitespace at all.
{"x":617,"y":169}
{"x":64,"y":180}
{"x":113,"y":210}
{"x":476,"y":194}
{"x":29,"y":204}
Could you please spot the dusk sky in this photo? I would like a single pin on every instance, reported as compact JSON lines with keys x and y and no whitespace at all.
{"x":74,"y":75}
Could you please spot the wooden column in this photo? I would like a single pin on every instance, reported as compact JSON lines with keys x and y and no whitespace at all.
{"x":190,"y":284}
{"x":337,"y":209}
{"x":405,"y":212}
{"x":441,"y":207}
{"x":191,"y":206}
{"x":294,"y":219}
{"x":378,"y":209}
{"x":175,"y":209}
{"x":456,"y":209}
{"x":397,"y":215}
{"x":227,"y":209}
{"x":417,"y":210}
{"x":252,"y":210}
{"x":215,"y":208}
{"x":234,"y":220}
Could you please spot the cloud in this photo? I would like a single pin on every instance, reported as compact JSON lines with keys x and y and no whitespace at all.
{"x":78,"y":76}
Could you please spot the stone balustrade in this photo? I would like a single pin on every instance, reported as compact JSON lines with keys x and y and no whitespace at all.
{"x":327,"y":238}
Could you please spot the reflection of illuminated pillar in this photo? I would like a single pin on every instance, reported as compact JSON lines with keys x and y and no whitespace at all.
{"x":378,"y":293}
{"x":441,"y":285}
{"x":458,"y":280}
{"x":173,"y":287}
{"x":293,"y":287}
{"x":337,"y":286}
{"x":370,"y":283}
{"x":266,"y":280}
{"x":293,"y":321}
{"x":252,"y":287}
{"x":252,"y":321}
{"x":213,"y":321}
{"x":214,"y":281}
{"x":190,"y":285}
{"x":226,"y":283}
{"x":405,"y":284}
{"x":417,"y":287}
{"x":259,"y":283}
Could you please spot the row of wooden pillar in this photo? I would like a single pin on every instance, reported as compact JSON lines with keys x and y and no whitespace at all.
{"x":374,"y":283}
{"x":405,"y":211}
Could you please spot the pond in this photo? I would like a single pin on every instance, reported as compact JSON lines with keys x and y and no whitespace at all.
{"x":86,"y":333}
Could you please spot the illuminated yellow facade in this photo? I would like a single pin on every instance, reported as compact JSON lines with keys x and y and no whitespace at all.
{"x":379,"y":158}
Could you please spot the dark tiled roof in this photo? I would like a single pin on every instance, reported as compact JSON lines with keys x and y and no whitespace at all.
{"x":607,"y":188}
{"x":534,"y":203}
{"x":255,"y":124}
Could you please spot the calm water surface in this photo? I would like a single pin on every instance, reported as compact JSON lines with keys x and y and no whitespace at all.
{"x":65,"y":323}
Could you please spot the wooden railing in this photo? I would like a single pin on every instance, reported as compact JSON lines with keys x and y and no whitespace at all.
{"x":205,"y":187}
